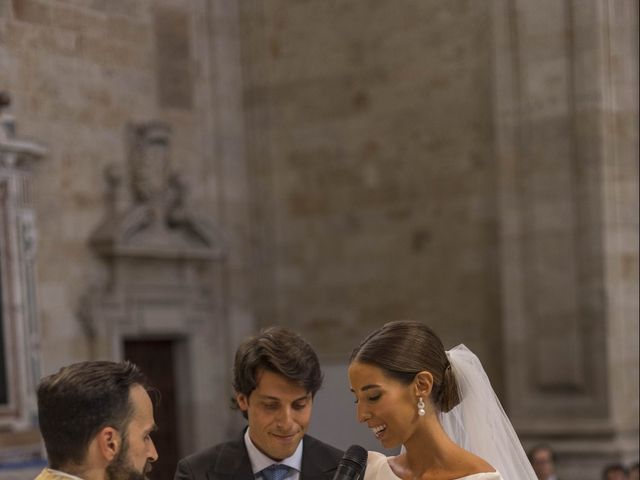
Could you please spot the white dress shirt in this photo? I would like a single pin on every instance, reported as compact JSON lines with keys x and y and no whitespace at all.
{"x":259,"y":461}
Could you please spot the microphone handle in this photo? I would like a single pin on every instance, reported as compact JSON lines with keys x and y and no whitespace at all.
{"x":347,"y":472}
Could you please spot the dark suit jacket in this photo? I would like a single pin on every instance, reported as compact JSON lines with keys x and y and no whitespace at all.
{"x":230,"y":461}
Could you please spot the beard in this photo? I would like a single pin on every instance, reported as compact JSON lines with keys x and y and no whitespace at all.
{"x":121,"y":469}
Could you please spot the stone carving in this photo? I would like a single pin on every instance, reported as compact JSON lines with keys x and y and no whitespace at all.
{"x":150,"y":162}
{"x":164,"y":276}
{"x":158,"y":218}
{"x":15,"y":152}
{"x":7,"y":123}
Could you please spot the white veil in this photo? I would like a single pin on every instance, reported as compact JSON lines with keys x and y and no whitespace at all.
{"x":478,"y":423}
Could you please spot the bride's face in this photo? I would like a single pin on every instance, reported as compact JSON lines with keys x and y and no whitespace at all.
{"x":387,"y":406}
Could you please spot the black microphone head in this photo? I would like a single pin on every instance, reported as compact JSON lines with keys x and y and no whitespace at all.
{"x":352,"y":464}
{"x":356,"y":454}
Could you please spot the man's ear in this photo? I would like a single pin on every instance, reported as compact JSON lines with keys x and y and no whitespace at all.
{"x":424,"y":383}
{"x":109,"y":443}
{"x":243,"y":401}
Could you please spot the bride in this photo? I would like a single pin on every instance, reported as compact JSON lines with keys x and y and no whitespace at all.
{"x":438,"y":405}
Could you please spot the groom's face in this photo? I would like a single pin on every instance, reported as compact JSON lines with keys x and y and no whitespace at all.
{"x":278,"y":411}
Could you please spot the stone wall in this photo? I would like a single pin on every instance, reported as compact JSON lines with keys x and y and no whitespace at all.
{"x":373,"y":176}
{"x":366,"y":161}
{"x":79,"y":73}
{"x":567,"y":142}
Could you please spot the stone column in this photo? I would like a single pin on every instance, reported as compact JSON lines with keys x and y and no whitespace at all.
{"x":566,"y":116}
{"x":20,"y":443}
{"x":620,"y":218}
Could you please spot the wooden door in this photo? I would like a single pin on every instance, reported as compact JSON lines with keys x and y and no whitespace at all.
{"x":156,"y":359}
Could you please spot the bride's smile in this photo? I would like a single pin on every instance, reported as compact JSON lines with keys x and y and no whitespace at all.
{"x":386,"y":405}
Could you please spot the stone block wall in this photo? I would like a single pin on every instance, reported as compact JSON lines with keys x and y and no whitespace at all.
{"x":469,"y":164}
{"x":79,"y":72}
{"x":373,"y":177}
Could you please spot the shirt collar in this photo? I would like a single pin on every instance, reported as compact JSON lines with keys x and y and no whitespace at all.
{"x":62,"y":474}
{"x":259,"y":461}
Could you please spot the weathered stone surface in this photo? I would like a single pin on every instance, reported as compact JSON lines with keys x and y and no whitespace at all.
{"x":364,"y":123}
{"x":562,"y":197}
{"x":173,"y":55}
{"x":367,"y":160}
{"x":79,"y":72}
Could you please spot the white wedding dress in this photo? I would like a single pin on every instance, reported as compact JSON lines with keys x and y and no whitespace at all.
{"x":378,"y":469}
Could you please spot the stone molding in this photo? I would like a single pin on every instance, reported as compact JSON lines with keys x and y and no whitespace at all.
{"x":19,"y":313}
{"x":164,"y":278}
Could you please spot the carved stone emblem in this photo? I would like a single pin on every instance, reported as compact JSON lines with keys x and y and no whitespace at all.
{"x":158,"y":217}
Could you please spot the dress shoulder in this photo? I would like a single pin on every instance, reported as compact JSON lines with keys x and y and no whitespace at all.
{"x":378,"y":469}
{"x":374,"y":457}
{"x":483,"y":476}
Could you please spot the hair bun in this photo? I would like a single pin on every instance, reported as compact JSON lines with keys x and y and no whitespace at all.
{"x":449,"y":395}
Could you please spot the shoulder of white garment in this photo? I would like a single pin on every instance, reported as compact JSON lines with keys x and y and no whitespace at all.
{"x":378,"y":469}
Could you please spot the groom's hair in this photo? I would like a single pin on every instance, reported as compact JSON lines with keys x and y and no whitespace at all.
{"x":402,"y":350}
{"x":280,"y":351}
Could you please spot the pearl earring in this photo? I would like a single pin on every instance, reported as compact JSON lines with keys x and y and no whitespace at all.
{"x":421,"y":410}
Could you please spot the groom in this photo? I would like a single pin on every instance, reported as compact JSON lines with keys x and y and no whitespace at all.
{"x":275,"y":376}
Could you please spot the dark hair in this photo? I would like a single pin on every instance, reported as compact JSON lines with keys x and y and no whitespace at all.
{"x":613,"y":467}
{"x":80,"y":400}
{"x":280,"y":351}
{"x":538,"y":448}
{"x":402,"y":350}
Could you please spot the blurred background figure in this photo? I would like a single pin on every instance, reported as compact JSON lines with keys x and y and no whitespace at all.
{"x":543,"y":460}
{"x":634,"y":471}
{"x":615,"y":471}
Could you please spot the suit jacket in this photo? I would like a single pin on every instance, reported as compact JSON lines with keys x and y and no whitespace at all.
{"x":47,"y":474}
{"x":230,"y":461}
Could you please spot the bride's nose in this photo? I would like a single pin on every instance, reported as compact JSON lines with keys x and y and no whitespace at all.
{"x":362,"y":414}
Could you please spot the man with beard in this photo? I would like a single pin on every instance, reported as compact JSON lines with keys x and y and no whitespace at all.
{"x":96,"y":419}
{"x":275,"y":377}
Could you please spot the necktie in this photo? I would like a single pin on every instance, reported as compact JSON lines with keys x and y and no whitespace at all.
{"x":275,"y":472}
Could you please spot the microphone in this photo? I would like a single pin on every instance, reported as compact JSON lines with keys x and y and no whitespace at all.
{"x":352,"y":464}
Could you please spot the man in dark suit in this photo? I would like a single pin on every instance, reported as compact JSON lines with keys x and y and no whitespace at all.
{"x":275,"y":376}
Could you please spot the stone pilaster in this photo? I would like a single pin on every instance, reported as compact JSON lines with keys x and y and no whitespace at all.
{"x":230,"y":179}
{"x":568,"y":185}
{"x":19,"y":329}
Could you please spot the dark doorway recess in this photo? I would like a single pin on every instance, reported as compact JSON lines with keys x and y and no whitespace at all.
{"x":156,"y":359}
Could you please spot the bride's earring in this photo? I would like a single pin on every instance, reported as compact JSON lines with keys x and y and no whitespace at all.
{"x":421,"y":405}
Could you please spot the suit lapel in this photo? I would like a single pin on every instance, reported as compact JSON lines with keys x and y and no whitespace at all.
{"x":233,"y":463}
{"x":315,"y":466}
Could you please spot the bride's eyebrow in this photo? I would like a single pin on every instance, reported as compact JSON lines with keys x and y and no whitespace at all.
{"x":366,"y":387}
